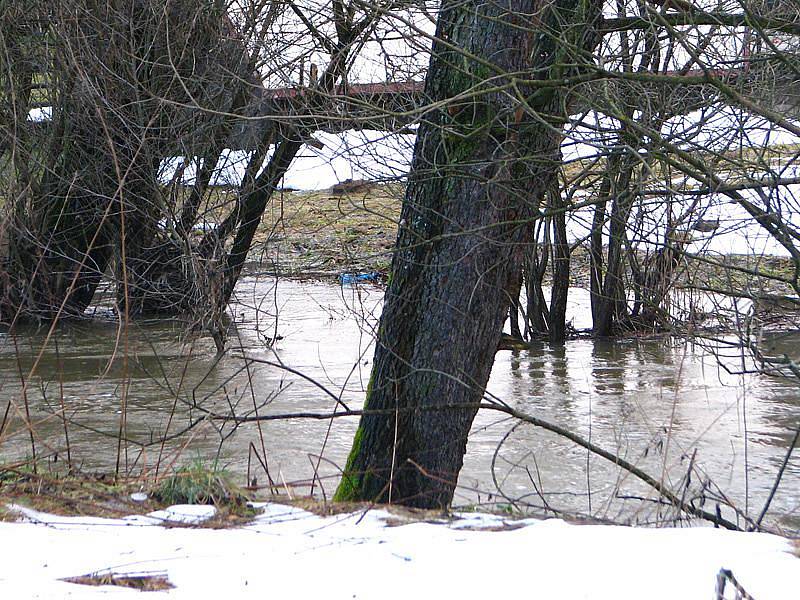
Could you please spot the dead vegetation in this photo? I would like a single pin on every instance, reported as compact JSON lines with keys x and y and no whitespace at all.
{"x":100,"y":495}
{"x":8,"y":515}
{"x":144,"y":582}
{"x":324,"y":233}
{"x":321,"y":233}
{"x":399,"y":515}
{"x":72,"y":495}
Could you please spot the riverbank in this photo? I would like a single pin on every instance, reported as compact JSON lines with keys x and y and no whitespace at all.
{"x":323,"y":234}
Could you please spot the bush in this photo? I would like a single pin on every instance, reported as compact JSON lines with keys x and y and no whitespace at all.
{"x":199,"y":484}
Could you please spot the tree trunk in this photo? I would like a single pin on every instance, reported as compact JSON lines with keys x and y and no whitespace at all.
{"x":608,"y":289}
{"x":514,"y":308}
{"x":561,"y":260}
{"x":479,"y":172}
{"x":597,"y":261}
{"x":60,"y":242}
{"x":53,"y":247}
{"x":537,"y":323}
{"x":95,"y":193}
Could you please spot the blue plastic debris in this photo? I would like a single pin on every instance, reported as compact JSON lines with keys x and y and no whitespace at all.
{"x":351,"y":278}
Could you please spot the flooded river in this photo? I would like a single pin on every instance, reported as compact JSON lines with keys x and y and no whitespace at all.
{"x":669,"y":407}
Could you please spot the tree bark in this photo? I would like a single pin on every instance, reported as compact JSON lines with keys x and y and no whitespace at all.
{"x":537,"y":323}
{"x":480,"y":169}
{"x":561,"y":262}
{"x":608,"y":286}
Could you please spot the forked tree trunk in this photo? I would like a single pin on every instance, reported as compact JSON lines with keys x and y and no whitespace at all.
{"x":467,"y":215}
{"x":608,"y":285}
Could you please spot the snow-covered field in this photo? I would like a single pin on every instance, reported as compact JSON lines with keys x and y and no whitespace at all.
{"x":287,"y":552}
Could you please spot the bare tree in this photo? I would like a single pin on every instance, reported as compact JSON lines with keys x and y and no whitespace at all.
{"x":482,"y":165}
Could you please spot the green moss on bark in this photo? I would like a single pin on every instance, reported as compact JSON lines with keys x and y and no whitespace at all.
{"x":351,"y":486}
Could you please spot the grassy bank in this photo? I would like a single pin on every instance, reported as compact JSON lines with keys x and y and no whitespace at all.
{"x":324,"y":234}
{"x":321,"y":233}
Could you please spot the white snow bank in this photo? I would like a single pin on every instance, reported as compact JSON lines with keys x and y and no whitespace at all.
{"x":290,"y":552}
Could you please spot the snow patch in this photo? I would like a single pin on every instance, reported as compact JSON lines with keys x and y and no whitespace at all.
{"x":357,"y":555}
{"x":186,"y":514}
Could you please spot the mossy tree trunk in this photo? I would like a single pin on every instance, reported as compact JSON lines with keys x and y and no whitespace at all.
{"x":481,"y":166}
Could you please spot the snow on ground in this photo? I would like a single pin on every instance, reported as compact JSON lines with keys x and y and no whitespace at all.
{"x":288,"y":552}
{"x":373,"y":155}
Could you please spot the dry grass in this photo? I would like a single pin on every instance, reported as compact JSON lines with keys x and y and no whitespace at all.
{"x":8,"y":516}
{"x":322,"y":508}
{"x":100,"y":496}
{"x":145,"y":582}
{"x":737,"y":273}
{"x":94,"y":495}
{"x":322,"y":233}
{"x":400,"y":515}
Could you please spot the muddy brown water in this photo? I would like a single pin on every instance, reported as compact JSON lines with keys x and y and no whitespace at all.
{"x":661,"y":404}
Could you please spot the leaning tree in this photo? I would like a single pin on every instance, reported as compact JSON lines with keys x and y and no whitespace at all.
{"x":502,"y":80}
{"x":483,"y":160}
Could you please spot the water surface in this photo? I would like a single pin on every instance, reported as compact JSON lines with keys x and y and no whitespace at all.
{"x":663,"y":405}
